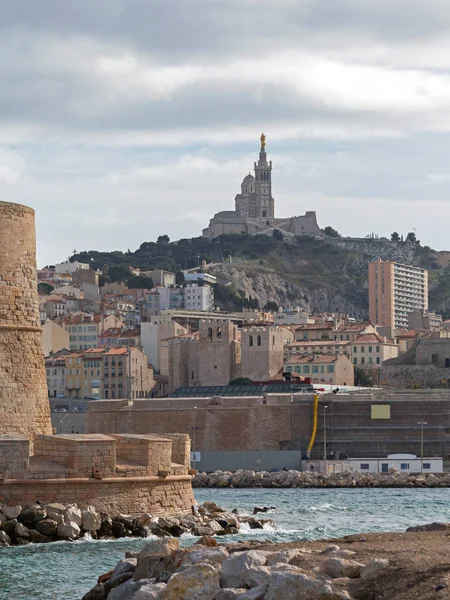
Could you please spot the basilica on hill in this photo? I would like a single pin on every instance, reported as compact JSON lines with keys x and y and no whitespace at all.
{"x":255,"y":208}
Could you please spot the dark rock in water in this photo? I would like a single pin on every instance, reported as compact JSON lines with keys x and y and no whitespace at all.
{"x":128,"y":521}
{"x":9,"y":527}
{"x":254,"y":523}
{"x":33,"y":514}
{"x":105,"y":528}
{"x":46,"y":527}
{"x":21,"y":531}
{"x":113,"y":583}
{"x":20,"y":541}
{"x":140,"y":531}
{"x":97,"y":593}
{"x":119,"y":530}
{"x":5,"y":540}
{"x":263,"y":509}
{"x":161,"y":532}
{"x":228,"y":531}
{"x":235,"y":511}
{"x":427,"y":527}
{"x":176,"y":530}
{"x":38,"y":538}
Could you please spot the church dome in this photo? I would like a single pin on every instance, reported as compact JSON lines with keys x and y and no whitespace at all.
{"x":248,"y":179}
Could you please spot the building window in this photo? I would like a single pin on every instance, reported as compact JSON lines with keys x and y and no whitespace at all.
{"x":192,"y":374}
{"x":364,"y":466}
{"x":355,"y":349}
{"x":362,"y":360}
{"x":330,"y":368}
{"x":306,"y":369}
{"x":427,"y":465}
{"x":370,"y":348}
{"x":250,"y":341}
{"x":434,"y":359}
{"x":378,"y":360}
{"x":362,"y":348}
{"x":219,"y":333}
{"x":404,"y":466}
{"x":258,"y":340}
{"x":378,"y":348}
{"x":315,"y":369}
{"x":209,"y":334}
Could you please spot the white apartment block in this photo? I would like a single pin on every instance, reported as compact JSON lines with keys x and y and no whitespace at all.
{"x":198,"y":297}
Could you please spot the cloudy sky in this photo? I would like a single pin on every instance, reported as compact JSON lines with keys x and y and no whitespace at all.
{"x":121,"y":120}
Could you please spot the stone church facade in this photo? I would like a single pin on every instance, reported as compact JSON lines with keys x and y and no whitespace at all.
{"x":255,"y":208}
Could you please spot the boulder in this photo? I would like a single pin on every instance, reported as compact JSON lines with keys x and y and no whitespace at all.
{"x":230,"y":593}
{"x":257,"y":576}
{"x":285,"y":556}
{"x":106,"y":526}
{"x":199,"y":581}
{"x":212,"y":507}
{"x":155,"y":560}
{"x":55,"y":508}
{"x":21,"y":531}
{"x":90,"y":519}
{"x":341,"y":567}
{"x":228,"y":531}
{"x":119,"y":530}
{"x":256,"y":593}
{"x":144,"y":519}
{"x":203,"y":554}
{"x":11,"y":512}
{"x":47,"y":527}
{"x":72,"y":515}
{"x":297,"y":586}
{"x":373,"y":566}
{"x":38,"y":538}
{"x":10,"y":526}
{"x":145,"y":589}
{"x":5,"y":540}
{"x":207,"y":541}
{"x":127,"y":520}
{"x":235,"y":568}
{"x":125,"y":565}
{"x":68,"y":532}
{"x":3,"y":518}
{"x":32,"y":515}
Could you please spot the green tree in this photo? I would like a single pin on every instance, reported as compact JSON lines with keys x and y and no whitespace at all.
{"x":362,"y":378}
{"x":45,"y":288}
{"x":395,"y":237}
{"x":271,"y":306}
{"x":240,"y":381}
{"x":330,"y":232}
{"x":277,"y":235}
{"x":140,"y":282}
{"x":411,"y":237}
{"x":163,"y":239}
{"x":120,"y":273}
{"x":179,"y":277}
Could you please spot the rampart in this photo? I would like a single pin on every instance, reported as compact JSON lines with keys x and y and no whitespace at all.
{"x":115,"y":473}
{"x":285,"y":422}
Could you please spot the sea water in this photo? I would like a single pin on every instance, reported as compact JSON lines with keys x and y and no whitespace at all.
{"x":67,"y":570}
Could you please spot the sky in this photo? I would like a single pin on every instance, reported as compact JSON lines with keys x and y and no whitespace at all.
{"x":121,"y":120}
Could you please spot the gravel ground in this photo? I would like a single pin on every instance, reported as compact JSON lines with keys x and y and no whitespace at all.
{"x":419,"y":563}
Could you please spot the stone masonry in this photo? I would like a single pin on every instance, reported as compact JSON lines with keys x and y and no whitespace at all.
{"x":23,"y":389}
{"x":114,"y":473}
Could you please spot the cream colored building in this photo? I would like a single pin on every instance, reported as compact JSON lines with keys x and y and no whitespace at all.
{"x":370,"y":350}
{"x":394,"y":291}
{"x":332,"y":370}
{"x":54,"y":338}
{"x":126,"y":374}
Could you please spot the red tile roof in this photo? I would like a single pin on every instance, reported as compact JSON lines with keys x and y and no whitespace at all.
{"x":306,"y":326}
{"x":353,"y":327}
{"x":375,"y":338}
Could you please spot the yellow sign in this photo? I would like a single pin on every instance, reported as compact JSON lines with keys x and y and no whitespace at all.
{"x":380,"y":411}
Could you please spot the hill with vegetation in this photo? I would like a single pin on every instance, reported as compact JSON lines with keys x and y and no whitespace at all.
{"x":319,"y":274}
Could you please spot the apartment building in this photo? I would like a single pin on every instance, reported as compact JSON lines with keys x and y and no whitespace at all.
{"x":329,"y":369}
{"x":55,"y":368}
{"x":370,"y":350}
{"x":83,"y":330}
{"x":395,"y":290}
{"x":126,"y":374}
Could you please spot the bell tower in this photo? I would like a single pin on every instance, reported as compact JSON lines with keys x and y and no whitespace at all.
{"x":263,"y":184}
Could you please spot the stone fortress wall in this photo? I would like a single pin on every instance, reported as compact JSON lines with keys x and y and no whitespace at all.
{"x":114,"y":473}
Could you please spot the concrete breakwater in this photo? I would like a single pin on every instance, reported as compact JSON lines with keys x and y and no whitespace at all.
{"x":306,"y":479}
{"x":41,"y":523}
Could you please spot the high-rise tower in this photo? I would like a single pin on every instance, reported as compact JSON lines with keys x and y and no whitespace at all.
{"x":263,"y":184}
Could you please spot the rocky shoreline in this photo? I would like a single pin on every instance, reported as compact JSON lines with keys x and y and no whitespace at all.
{"x":396,"y":566}
{"x":41,"y":523}
{"x":307,"y":479}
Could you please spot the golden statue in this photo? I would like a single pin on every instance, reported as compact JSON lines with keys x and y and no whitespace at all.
{"x":263,"y":141}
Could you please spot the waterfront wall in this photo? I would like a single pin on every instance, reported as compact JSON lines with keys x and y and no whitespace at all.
{"x":285,"y":422}
{"x":156,"y":495}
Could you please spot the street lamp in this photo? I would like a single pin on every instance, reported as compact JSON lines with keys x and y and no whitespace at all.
{"x":421,"y":423}
{"x":325,"y":437}
{"x":194,"y":429}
